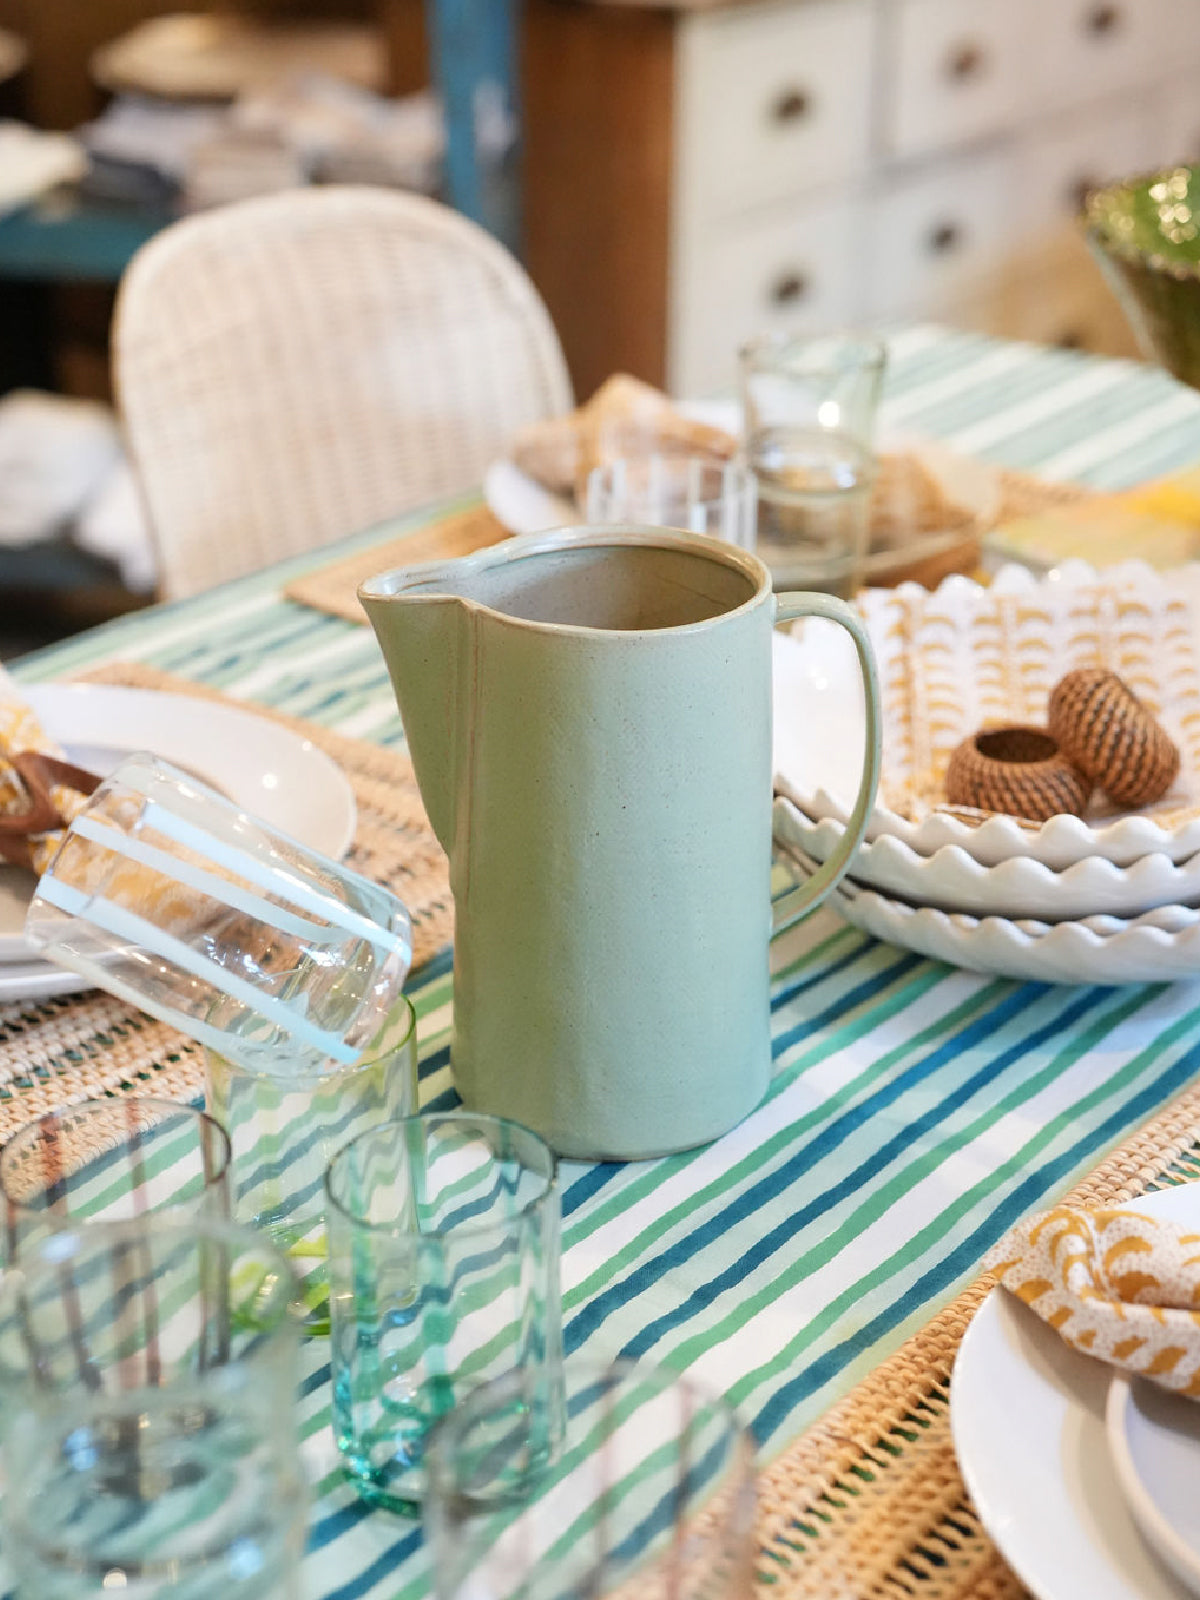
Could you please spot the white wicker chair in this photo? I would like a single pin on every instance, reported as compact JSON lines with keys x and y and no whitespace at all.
{"x":294,"y":368}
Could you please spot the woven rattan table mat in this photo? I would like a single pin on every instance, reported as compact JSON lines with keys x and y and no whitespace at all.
{"x":335,"y":588}
{"x":869,"y":1503}
{"x":56,"y":1051}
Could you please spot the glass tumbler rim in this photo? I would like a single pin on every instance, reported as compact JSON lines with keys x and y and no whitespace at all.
{"x":734,"y":465}
{"x":28,"y":1131}
{"x":733,"y":476}
{"x":450,"y":1430}
{"x":780,"y":342}
{"x":367,"y":1062}
{"x":457,"y":1116}
{"x":42,"y":1264}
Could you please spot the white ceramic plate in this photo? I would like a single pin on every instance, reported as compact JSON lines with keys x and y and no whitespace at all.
{"x":38,"y":980}
{"x":818,"y":739}
{"x":952,"y":880}
{"x":1159,"y":946}
{"x":1154,"y":1441}
{"x":1027,"y":1417}
{"x":265,"y":767}
{"x":521,"y":504}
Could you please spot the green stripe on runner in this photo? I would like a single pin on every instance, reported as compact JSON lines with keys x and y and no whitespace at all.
{"x":936,"y":1230}
{"x":755,"y":1161}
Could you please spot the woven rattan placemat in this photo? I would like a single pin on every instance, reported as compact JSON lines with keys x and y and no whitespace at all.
{"x":335,"y":588}
{"x":870,"y":1503}
{"x":56,"y":1051}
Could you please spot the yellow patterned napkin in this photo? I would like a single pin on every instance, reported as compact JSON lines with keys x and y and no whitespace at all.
{"x":1115,"y":1284}
{"x":1158,"y":522}
{"x":20,"y":731}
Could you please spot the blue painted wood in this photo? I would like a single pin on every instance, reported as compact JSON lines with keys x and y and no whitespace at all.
{"x":473,"y":52}
{"x":64,"y":237}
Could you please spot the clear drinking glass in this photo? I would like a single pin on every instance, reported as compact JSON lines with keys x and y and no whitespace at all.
{"x":167,"y":894}
{"x":696,"y":493}
{"x":652,"y":1490}
{"x":149,"y":1369}
{"x":444,"y":1272}
{"x":809,"y":410}
{"x":285,"y":1132}
{"x":111,"y":1159}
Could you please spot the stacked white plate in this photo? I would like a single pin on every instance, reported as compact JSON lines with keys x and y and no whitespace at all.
{"x":260,"y":764}
{"x":1113,"y":897}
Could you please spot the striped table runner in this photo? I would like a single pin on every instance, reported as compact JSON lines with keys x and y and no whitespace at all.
{"x":915,"y":1111}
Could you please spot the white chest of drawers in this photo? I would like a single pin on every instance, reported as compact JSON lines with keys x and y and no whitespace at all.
{"x":806,"y":164}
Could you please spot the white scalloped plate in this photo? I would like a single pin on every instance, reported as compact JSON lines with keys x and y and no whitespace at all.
{"x":818,"y":711}
{"x":952,"y":880}
{"x":1160,"y":946}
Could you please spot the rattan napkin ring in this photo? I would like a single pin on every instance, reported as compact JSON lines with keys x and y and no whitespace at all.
{"x":39,"y":774}
{"x":1016,"y":770}
{"x":1112,"y":736}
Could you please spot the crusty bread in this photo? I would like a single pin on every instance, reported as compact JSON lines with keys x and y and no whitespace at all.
{"x":624,"y":417}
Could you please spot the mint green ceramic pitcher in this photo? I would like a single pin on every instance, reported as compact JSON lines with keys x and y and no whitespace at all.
{"x":589,"y":717}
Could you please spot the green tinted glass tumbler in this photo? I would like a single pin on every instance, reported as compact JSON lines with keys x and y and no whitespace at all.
{"x":444,"y":1273}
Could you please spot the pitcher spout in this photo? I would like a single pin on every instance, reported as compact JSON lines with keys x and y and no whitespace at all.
{"x":423,"y":632}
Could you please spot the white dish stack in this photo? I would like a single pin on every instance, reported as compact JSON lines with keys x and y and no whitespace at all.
{"x":1113,"y":897}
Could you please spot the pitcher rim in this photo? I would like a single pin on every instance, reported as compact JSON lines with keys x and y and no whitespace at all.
{"x":550,"y":540}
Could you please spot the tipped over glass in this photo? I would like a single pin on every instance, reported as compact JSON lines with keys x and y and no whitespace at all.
{"x":169,"y":895}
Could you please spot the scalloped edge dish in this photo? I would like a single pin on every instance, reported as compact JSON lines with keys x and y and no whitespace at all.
{"x":952,"y":880}
{"x":818,"y":711}
{"x":1160,"y":947}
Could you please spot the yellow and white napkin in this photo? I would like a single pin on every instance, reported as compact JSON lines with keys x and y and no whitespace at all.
{"x":20,"y":730}
{"x":1115,"y":1283}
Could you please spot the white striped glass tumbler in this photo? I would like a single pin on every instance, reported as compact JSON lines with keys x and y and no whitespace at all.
{"x":166,"y":893}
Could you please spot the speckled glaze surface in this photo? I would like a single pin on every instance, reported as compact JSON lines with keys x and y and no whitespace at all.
{"x":589,"y":716}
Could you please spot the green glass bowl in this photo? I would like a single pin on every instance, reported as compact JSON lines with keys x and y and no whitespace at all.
{"x":1145,"y":232}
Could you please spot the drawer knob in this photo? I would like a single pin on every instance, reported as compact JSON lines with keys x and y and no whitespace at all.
{"x":966,"y":63}
{"x":944,"y":237}
{"x":791,"y":105}
{"x":789,"y":288}
{"x":1102,"y":20}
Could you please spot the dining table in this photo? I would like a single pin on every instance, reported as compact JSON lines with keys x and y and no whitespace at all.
{"x":915,"y":1111}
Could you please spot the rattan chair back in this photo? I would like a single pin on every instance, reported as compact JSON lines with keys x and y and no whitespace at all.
{"x":294,"y":368}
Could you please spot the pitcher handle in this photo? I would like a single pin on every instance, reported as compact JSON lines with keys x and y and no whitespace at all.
{"x":787,"y":608}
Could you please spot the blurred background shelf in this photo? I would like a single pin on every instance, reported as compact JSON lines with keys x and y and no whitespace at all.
{"x":65,"y":237}
{"x":66,"y":63}
{"x":696,"y":174}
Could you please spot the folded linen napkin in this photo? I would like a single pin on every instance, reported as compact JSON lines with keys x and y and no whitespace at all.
{"x":1116,"y":1284}
{"x":39,"y":791}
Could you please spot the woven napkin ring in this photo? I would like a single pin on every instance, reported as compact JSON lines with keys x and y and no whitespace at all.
{"x":1112,"y":737}
{"x":1017,"y":770}
{"x":39,"y":774}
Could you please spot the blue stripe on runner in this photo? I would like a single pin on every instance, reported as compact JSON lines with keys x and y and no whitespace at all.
{"x":1031,"y":1192}
{"x":752,"y":1199}
{"x":787,"y":993}
{"x":869,"y":989}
